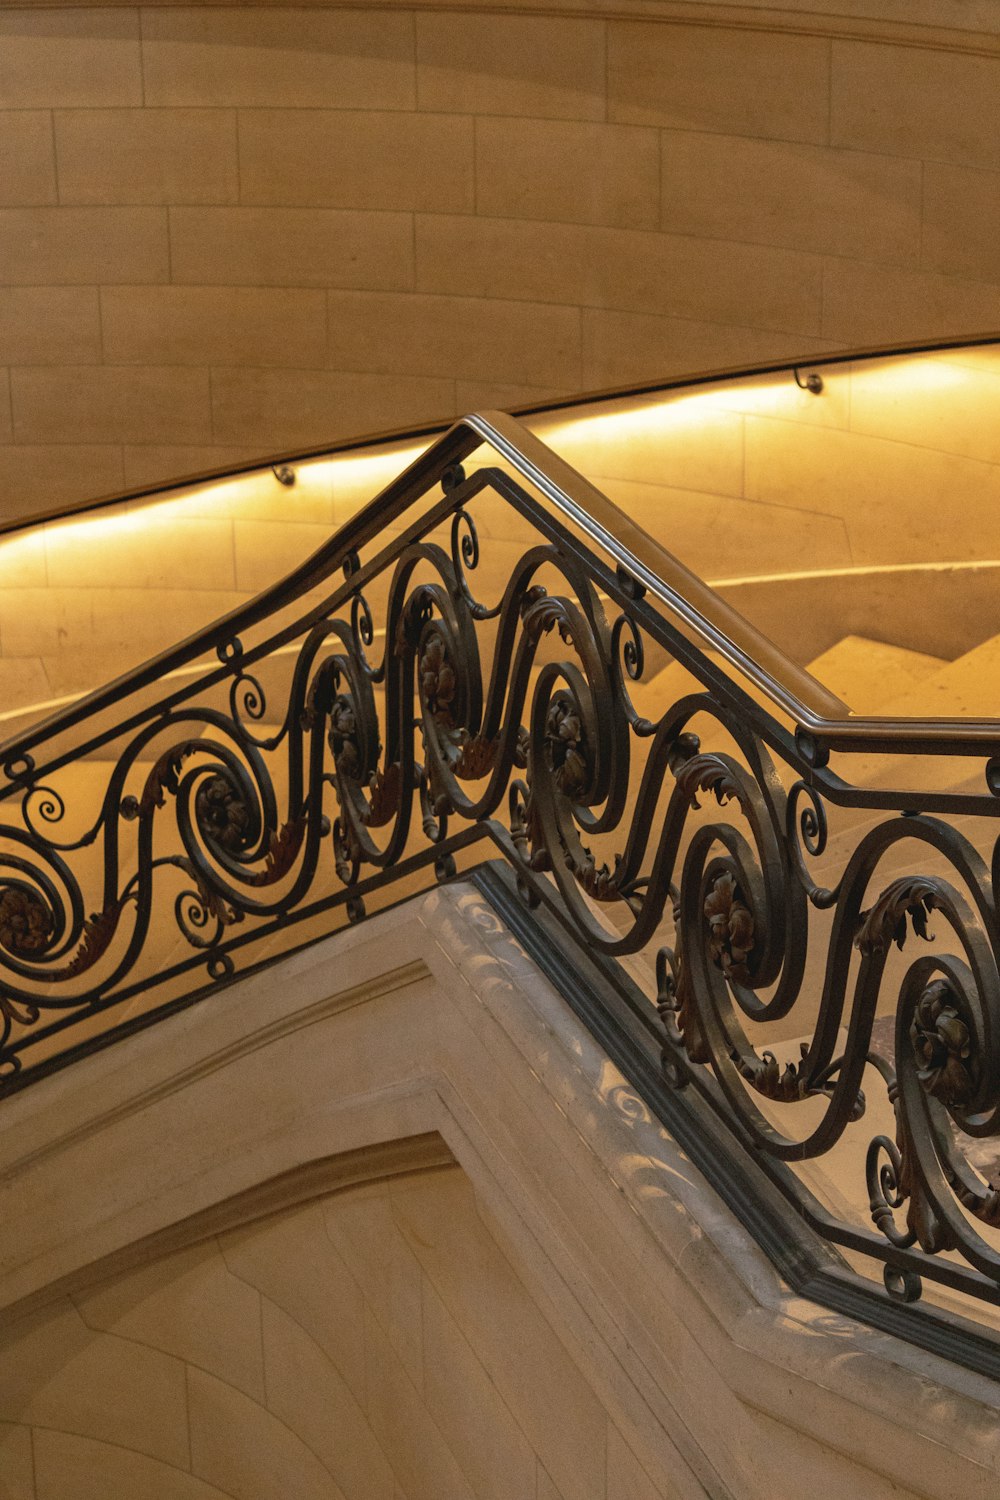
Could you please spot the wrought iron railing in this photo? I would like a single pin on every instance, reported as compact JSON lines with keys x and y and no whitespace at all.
{"x":420,"y":726}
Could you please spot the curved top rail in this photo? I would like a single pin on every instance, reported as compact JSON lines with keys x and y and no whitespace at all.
{"x":409,"y":433}
{"x":822,"y":721}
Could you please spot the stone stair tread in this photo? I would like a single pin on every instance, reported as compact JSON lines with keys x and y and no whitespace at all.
{"x":967,"y":687}
{"x":863,"y":671}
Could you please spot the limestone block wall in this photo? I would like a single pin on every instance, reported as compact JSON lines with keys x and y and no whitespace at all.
{"x":347,"y":1349}
{"x":234,"y":230}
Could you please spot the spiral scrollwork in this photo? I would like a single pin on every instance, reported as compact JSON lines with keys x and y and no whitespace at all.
{"x":691,"y":837}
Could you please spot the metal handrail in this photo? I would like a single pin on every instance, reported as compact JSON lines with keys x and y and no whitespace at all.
{"x":822,"y":721}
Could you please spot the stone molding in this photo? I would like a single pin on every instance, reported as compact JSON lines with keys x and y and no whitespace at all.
{"x":942,"y":25}
{"x":338,"y":1065}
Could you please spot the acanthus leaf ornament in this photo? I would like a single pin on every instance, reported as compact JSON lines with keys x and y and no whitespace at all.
{"x":476,"y":757}
{"x":164,"y":777}
{"x":884,"y":923}
{"x":211,"y":901}
{"x":282,"y":852}
{"x":98,"y":934}
{"x":385,"y":791}
{"x":707,"y":773}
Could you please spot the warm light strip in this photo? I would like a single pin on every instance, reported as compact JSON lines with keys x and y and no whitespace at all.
{"x":960,"y":565}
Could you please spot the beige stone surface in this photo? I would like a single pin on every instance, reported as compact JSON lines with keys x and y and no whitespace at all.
{"x":253,"y":148}
{"x":411,"y":1440}
{"x":308,"y":1394}
{"x":22,"y":680}
{"x":267,"y":550}
{"x":6,"y":415}
{"x":943,"y":405}
{"x":940,"y":610}
{"x":778,"y":394}
{"x":962,"y":688}
{"x":627,"y":1480}
{"x":538,"y":66}
{"x":292,"y":1262}
{"x":584,"y":173}
{"x":458,"y":337}
{"x":132,"y":622}
{"x":717,"y":536}
{"x":327,"y":121}
{"x":363,"y":1231}
{"x":962,"y":221}
{"x":903,"y":99}
{"x":870,"y":305}
{"x":656,"y":439}
{"x":16,"y":1462}
{"x":75,"y":1468}
{"x":49,"y":325}
{"x":71,"y":245}
{"x":151,"y":555}
{"x":194,"y":1309}
{"x":22,"y":559}
{"x":35,"y":478}
{"x":544,"y":1488}
{"x":294,"y":58}
{"x":146,"y":156}
{"x":483,"y":395}
{"x":181,"y":325}
{"x":889,"y":493}
{"x":245,"y":1451}
{"x":867,"y":674}
{"x":27,"y":161}
{"x":521,"y":1353}
{"x":55,"y":1372}
{"x":154,"y":404}
{"x":155,"y":464}
{"x":707,"y":78}
{"x":291,"y":247}
{"x":342,"y":158}
{"x":310,"y":406}
{"x":81,"y":57}
{"x":256,"y":494}
{"x":619,"y":268}
{"x":625,"y":347}
{"x":854,"y":204}
{"x":478,"y":1426}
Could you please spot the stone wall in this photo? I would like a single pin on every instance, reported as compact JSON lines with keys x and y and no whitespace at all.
{"x":346,"y":1349}
{"x":186,"y":1304}
{"x":228,"y":231}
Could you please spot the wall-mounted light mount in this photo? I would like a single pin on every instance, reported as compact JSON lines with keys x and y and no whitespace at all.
{"x":812,"y":382}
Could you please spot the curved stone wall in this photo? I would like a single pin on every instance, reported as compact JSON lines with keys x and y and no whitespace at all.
{"x":228,"y":231}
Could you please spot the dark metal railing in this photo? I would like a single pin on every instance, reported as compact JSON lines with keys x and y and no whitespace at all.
{"x":230,"y":830}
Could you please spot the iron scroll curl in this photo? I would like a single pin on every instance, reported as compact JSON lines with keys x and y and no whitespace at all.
{"x":414,"y":720}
